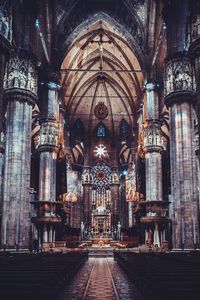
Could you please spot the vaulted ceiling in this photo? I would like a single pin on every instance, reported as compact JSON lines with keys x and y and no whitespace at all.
{"x":101,"y":66}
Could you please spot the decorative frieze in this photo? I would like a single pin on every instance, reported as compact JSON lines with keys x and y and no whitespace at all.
{"x":49,"y":134}
{"x":179,"y":78}
{"x":20,"y":74}
{"x":153,"y":139}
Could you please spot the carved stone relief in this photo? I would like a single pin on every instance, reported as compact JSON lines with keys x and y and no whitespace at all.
{"x":49,"y":134}
{"x":179,"y":76}
{"x":21,"y":73}
{"x":153,"y":136}
{"x":87,"y":177}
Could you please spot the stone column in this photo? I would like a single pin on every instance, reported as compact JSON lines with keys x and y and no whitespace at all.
{"x":153,"y":160}
{"x":87,"y":196}
{"x":153,"y":147}
{"x":117,"y":211}
{"x":194,"y":51}
{"x":179,"y":97}
{"x":48,"y":149}
{"x":20,"y":94}
{"x":197,"y":161}
{"x":5,"y":45}
{"x":2,"y":150}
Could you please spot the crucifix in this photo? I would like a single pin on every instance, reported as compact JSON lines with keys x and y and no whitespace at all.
{"x":100,"y":43}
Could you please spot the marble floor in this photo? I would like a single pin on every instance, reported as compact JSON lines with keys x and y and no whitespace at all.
{"x":100,"y":279}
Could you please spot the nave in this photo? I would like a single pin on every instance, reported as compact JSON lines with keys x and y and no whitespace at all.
{"x":100,"y":275}
{"x":101,"y":278}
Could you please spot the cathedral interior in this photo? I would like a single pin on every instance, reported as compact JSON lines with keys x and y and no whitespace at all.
{"x":99,"y":149}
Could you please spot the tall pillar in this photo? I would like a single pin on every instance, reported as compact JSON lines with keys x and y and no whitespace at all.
{"x":20,"y":94}
{"x":153,"y":146}
{"x":5,"y":45}
{"x":118,"y":211}
{"x":179,"y":97}
{"x":194,"y":51}
{"x":2,"y":150}
{"x":87,"y":196}
{"x":46,"y":207}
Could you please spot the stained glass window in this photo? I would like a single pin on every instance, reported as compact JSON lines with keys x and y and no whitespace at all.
{"x":101,"y":131}
{"x":101,"y":175}
{"x":124,"y":131}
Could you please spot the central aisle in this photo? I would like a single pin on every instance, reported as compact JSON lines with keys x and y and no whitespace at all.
{"x":100,"y":279}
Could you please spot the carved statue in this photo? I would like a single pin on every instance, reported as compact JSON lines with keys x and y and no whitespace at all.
{"x":82,"y":230}
{"x":21,"y":73}
{"x":179,"y":76}
{"x":119,"y":231}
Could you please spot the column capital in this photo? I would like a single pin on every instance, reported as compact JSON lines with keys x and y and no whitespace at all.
{"x":153,"y":140}
{"x":179,"y":82}
{"x":49,"y":137}
{"x":51,"y":85}
{"x":20,"y":81}
{"x":151,"y":86}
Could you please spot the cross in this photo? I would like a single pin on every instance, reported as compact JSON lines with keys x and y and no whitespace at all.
{"x":100,"y":43}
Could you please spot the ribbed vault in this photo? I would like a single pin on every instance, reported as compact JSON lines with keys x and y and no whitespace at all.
{"x":101,"y":66}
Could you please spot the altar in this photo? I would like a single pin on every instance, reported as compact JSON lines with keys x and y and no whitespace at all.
{"x":101,"y":242}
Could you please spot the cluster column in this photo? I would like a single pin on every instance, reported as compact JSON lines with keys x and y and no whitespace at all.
{"x":179,"y":97}
{"x":20,"y":94}
{"x":153,"y":146}
{"x":46,"y":206}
